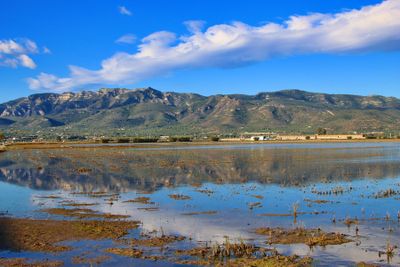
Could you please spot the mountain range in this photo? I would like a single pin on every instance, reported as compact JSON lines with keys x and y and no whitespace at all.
{"x":147,"y":111}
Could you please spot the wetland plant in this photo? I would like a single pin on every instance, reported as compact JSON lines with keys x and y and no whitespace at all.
{"x":389,"y":251}
{"x":295,"y":209}
{"x":387,"y":217}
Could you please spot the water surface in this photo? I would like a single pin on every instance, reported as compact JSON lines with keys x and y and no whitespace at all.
{"x":226,"y":183}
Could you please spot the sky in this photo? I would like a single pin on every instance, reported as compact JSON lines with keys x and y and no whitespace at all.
{"x":207,"y":47}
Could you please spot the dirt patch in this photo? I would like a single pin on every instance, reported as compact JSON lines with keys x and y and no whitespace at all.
{"x":43,"y":235}
{"x":22,"y":262}
{"x":310,"y":237}
{"x":80,"y":213}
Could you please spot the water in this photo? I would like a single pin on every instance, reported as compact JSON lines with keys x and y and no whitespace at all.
{"x":223,"y":182}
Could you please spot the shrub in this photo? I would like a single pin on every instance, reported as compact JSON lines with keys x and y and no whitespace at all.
{"x":321,"y":131}
{"x":173,"y":139}
{"x":215,"y":138}
{"x":123,"y":140}
{"x":184,"y":139}
{"x":105,"y":141}
{"x":145,"y":140}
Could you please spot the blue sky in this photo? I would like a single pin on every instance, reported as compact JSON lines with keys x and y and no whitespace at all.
{"x":276,"y":45}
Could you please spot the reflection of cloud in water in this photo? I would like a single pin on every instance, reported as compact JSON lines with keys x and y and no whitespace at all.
{"x":199,"y":228}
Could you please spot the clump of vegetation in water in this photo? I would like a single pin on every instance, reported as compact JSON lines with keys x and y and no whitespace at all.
{"x":81,"y":213}
{"x":311,"y":237}
{"x":142,"y":200}
{"x":44,"y":235}
{"x":389,"y":252}
{"x":127,"y":252}
{"x":387,"y":193}
{"x":253,"y":205}
{"x":350,"y":221}
{"x":239,"y":254}
{"x":14,"y":262}
{"x":295,"y":208}
{"x":89,"y":260}
{"x":75,"y":204}
{"x":179,"y":197}
{"x":152,"y":241}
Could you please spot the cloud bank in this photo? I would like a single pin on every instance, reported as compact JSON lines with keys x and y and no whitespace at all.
{"x":14,"y":53}
{"x":371,"y":28}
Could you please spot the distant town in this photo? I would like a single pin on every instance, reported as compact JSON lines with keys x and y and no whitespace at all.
{"x":320,"y":135}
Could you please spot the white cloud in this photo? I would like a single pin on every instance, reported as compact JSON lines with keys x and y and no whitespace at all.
{"x":46,"y":50}
{"x":194,"y":26}
{"x":124,"y":11}
{"x":126,"y":39}
{"x":14,"y":53}
{"x":371,"y":28}
{"x":26,"y":61}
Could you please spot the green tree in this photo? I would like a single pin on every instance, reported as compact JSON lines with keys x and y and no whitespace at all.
{"x":321,"y":131}
{"x":215,"y":138}
{"x":2,"y":137}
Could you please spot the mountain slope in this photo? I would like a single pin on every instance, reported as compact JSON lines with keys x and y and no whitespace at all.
{"x":149,"y":111}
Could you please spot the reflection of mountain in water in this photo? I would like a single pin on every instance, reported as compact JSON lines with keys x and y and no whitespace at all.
{"x":126,"y":169}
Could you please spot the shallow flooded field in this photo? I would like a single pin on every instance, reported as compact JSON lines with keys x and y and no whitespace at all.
{"x":219,"y":205}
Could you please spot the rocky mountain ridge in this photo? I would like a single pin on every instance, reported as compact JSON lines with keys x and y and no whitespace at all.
{"x":149,"y":111}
